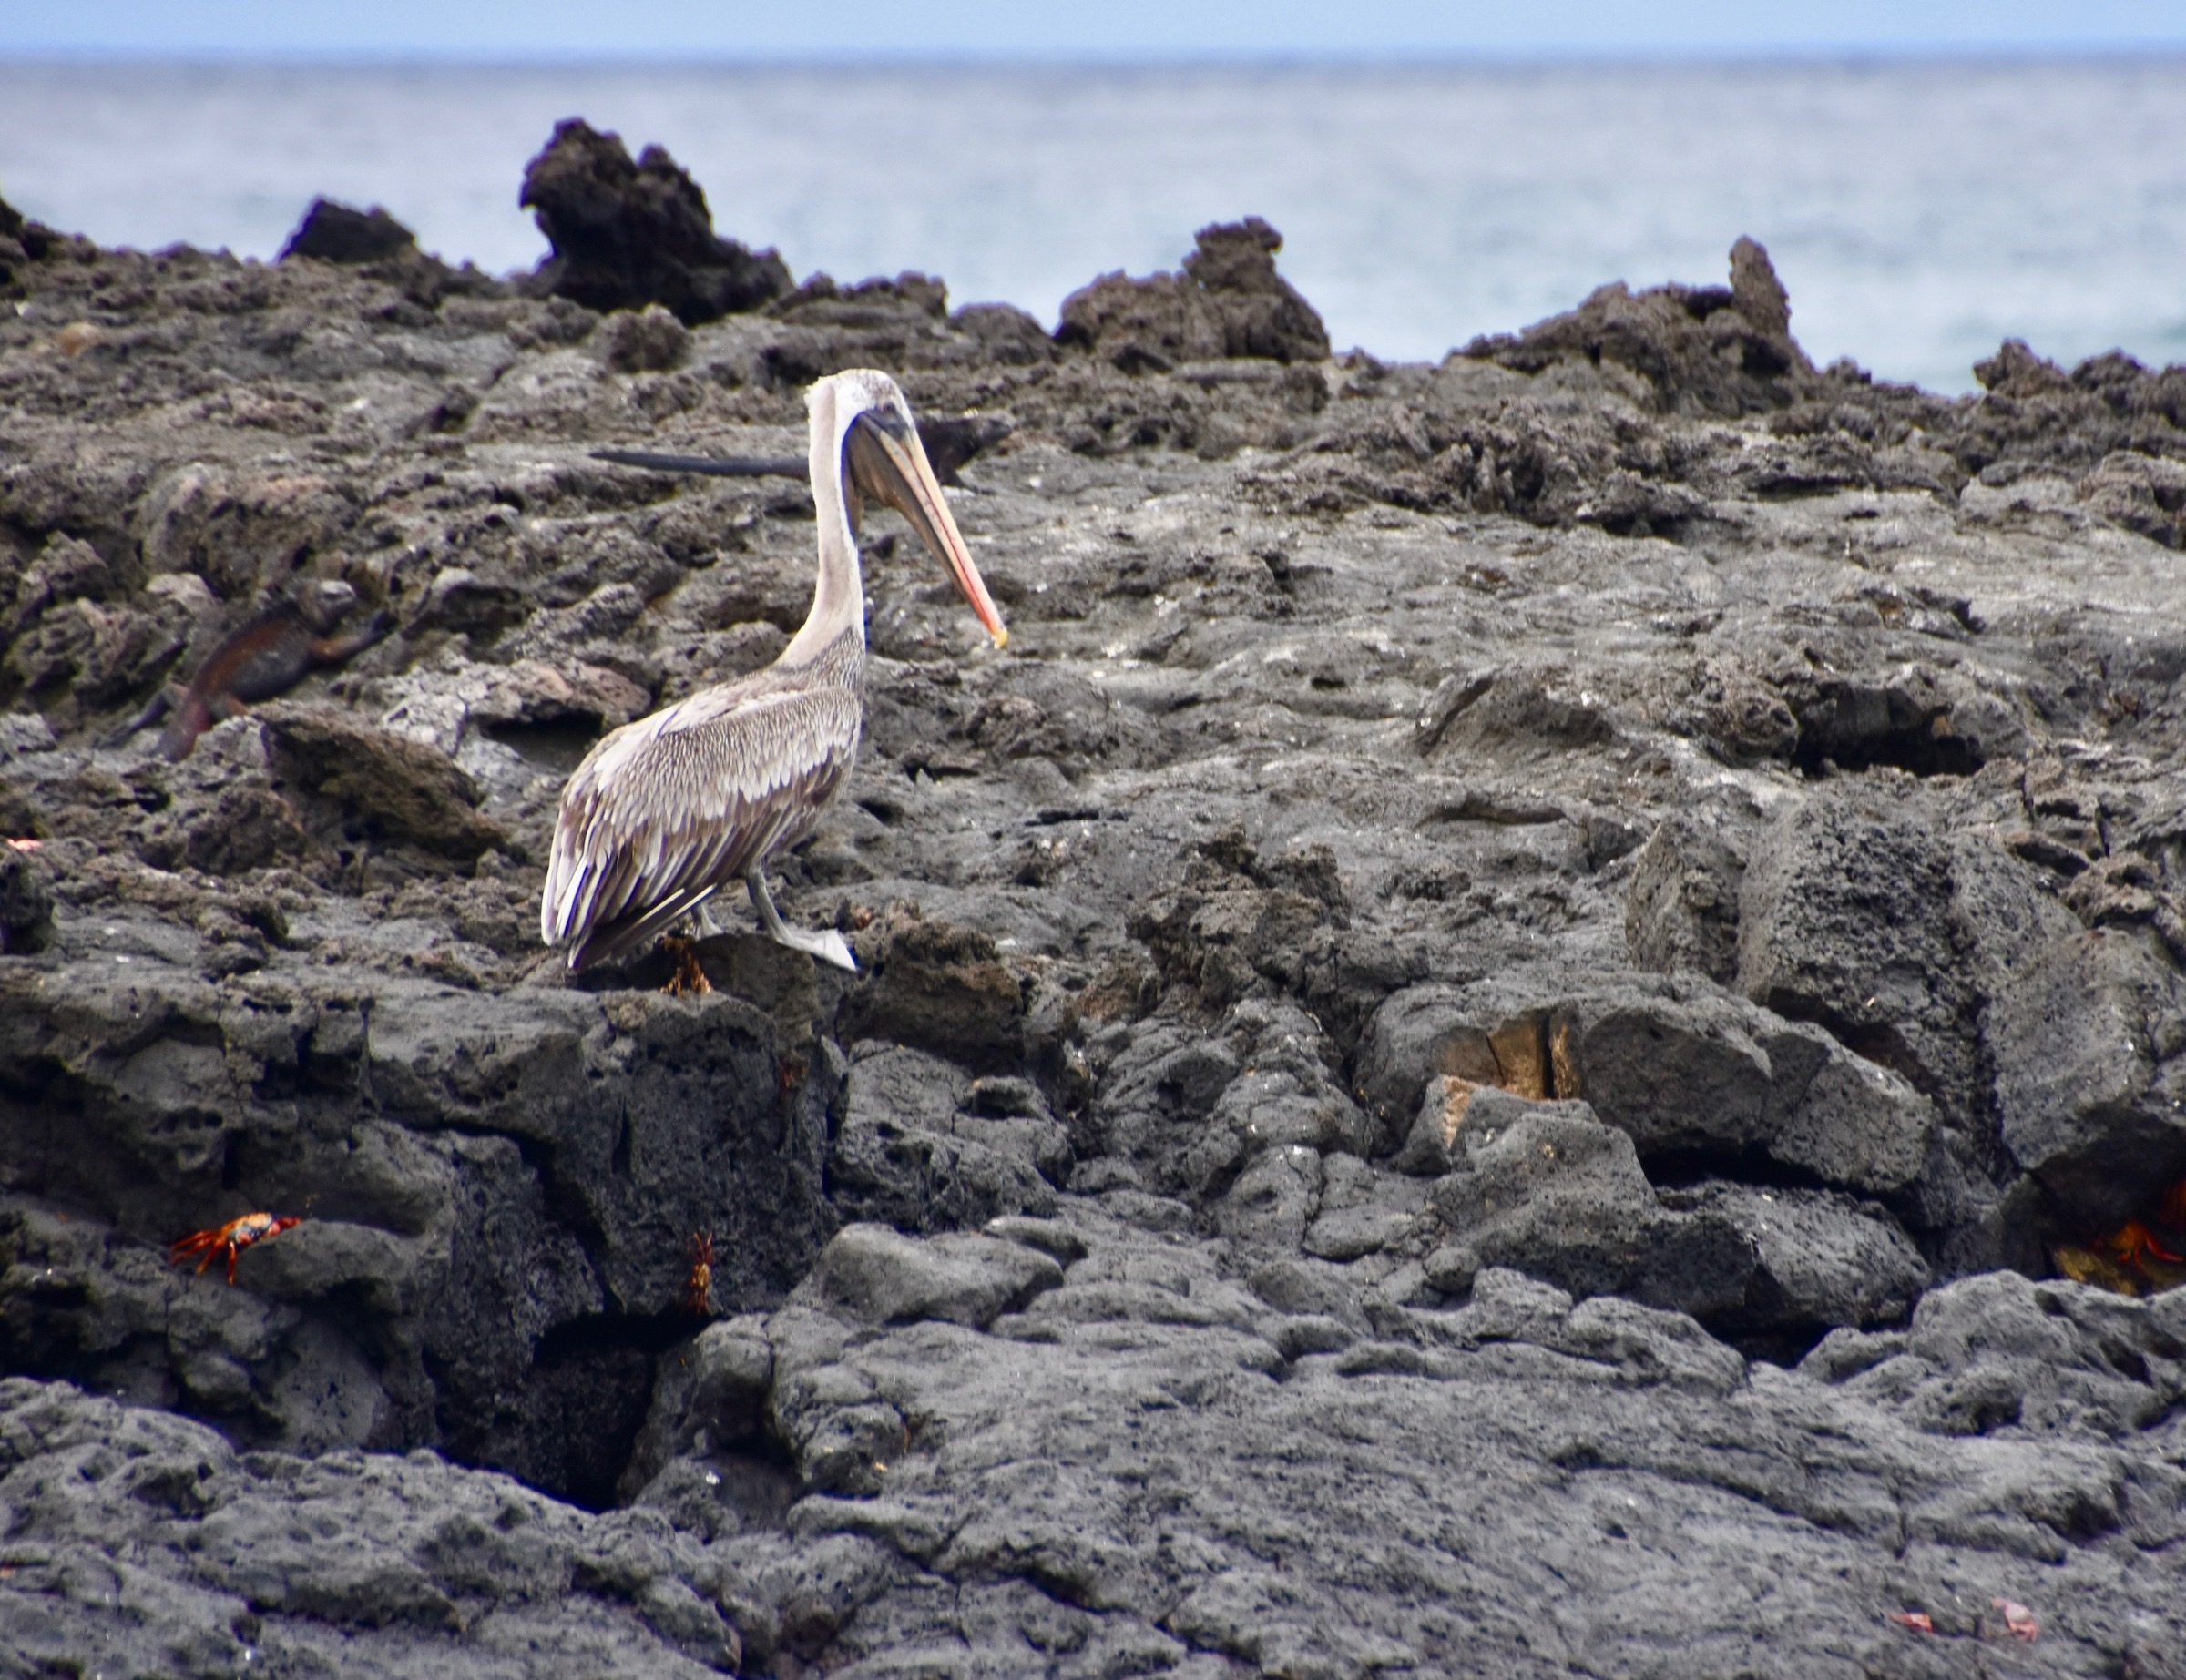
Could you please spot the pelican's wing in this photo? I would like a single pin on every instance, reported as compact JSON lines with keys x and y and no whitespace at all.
{"x":664,"y":810}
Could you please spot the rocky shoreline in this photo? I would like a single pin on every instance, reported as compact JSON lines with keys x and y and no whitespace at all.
{"x":1533,"y":1025}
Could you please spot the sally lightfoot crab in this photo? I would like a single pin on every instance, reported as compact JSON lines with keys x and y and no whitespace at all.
{"x":233,"y":1238}
{"x":698,"y":1287}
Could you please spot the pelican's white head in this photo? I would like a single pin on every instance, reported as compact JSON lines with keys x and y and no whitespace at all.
{"x":865,"y":443}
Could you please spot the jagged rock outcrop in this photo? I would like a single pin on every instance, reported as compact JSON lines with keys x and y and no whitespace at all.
{"x":337,"y":232}
{"x":1228,"y":301}
{"x":1699,"y":350}
{"x":628,"y":234}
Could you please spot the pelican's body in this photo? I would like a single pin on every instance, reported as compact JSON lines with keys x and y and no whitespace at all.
{"x":665,"y":811}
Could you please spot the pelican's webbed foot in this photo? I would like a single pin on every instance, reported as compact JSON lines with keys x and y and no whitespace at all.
{"x":826,"y":944}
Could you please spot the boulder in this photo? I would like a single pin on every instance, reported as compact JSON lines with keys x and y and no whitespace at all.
{"x":1685,"y":1068}
{"x":1679,"y":1065}
{"x":1844,"y":920}
{"x":336,"y":232}
{"x":712,"y":1394}
{"x":1680,"y":910}
{"x":2002,"y":1351}
{"x":1701,"y":350}
{"x":368,"y":784}
{"x":1820,"y":1258}
{"x":880,"y":1276}
{"x":2141,"y":492}
{"x":1547,"y":1189}
{"x":936,"y":986}
{"x":1228,"y":301}
{"x":628,"y":234}
{"x":2088,"y":1100}
{"x":911,"y":1151}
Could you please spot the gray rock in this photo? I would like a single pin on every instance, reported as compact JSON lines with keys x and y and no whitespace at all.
{"x":1274,"y":1199}
{"x":1680,"y":910}
{"x":1362,"y":1209}
{"x":1200,"y":1116}
{"x":1058,"y":1241}
{"x":1601,"y":1431}
{"x":373,"y":1563}
{"x":1844,"y":920}
{"x":908,"y":1155}
{"x":1228,"y":300}
{"x":883,"y":1278}
{"x":1677,"y":1062}
{"x":1431,"y":1147}
{"x":2000,"y":1351}
{"x":712,"y":1392}
{"x":1691,"y":1069}
{"x":1423,"y":1033}
{"x":2005,"y":912}
{"x":638,"y":1123}
{"x":1546,"y":1188}
{"x":1818,"y":1259}
{"x":26,"y":904}
{"x":2085,"y":1100}
{"x":1309,"y":1288}
{"x":1312,"y":1333}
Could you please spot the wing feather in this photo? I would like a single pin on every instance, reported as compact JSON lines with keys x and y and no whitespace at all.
{"x":665,"y":810}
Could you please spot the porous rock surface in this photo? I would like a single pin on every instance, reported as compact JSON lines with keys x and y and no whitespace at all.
{"x":1473,"y":1055}
{"x":628,"y":234}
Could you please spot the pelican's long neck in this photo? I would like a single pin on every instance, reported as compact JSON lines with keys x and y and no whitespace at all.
{"x":839,"y":595}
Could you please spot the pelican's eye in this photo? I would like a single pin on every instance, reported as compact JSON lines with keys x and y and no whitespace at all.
{"x":891,"y":419}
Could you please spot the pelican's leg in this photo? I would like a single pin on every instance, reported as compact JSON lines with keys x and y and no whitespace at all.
{"x":703,"y":917}
{"x":827,"y":944}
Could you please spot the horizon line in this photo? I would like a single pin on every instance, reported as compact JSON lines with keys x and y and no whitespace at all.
{"x":1390,"y":58}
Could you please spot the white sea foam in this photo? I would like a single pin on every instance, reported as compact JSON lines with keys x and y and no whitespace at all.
{"x":1918,"y":213}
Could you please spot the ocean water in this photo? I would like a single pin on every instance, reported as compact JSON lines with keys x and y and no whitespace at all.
{"x":1918,"y":212}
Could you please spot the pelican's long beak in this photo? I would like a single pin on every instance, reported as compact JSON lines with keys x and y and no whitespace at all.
{"x":888,"y":463}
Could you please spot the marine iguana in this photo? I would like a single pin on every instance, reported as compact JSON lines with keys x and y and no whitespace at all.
{"x":266,"y":655}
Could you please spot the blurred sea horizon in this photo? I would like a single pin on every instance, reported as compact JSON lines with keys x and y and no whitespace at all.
{"x":1919,"y":211}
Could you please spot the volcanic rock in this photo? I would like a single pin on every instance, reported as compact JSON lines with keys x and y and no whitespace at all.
{"x":1682,"y":909}
{"x":1679,"y":1066}
{"x":1548,"y":1183}
{"x":871,"y":1273}
{"x":336,"y":232}
{"x":26,"y":904}
{"x":626,"y":235}
{"x":1701,"y":350}
{"x":1820,"y":1258}
{"x":1523,"y":935}
{"x":2086,"y":1036}
{"x":1228,"y":300}
{"x":280,"y":1561}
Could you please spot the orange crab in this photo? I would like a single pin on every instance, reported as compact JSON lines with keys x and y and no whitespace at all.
{"x":697,"y":1289}
{"x":689,"y":978}
{"x":233,"y":1238}
{"x":2133,"y":1242}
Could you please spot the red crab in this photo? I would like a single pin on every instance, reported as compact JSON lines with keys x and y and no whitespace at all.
{"x":697,"y":1289}
{"x":2133,"y":1242}
{"x":234,"y":1236}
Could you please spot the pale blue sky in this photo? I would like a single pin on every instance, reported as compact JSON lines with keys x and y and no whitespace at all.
{"x":530,"y":29}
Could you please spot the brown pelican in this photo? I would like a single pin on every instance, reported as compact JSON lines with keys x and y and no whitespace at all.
{"x":665,"y":811}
